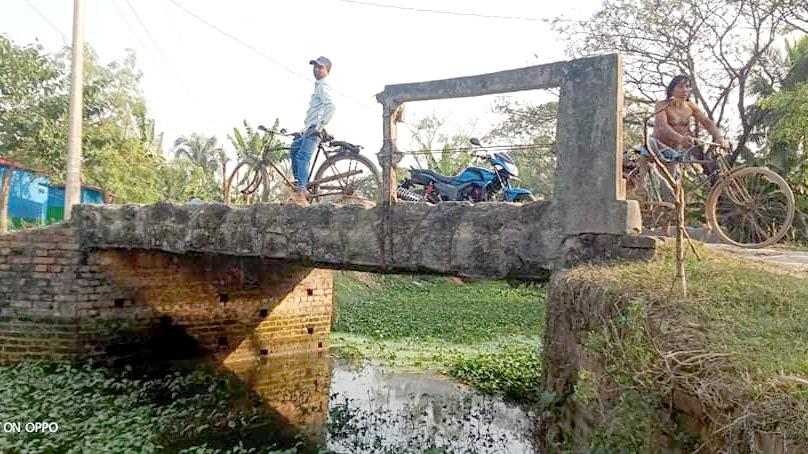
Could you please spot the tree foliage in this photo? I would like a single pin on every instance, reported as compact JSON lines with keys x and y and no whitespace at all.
{"x":251,"y":143}
{"x":121,"y":151}
{"x":202,"y":150}
{"x":722,"y":45}
{"x":532,"y":129}
{"x":433,"y":149}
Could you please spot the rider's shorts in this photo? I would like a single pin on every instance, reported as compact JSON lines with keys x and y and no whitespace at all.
{"x":664,"y":152}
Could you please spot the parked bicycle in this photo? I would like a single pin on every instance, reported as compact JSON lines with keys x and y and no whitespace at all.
{"x":749,"y":207}
{"x":343,"y":173}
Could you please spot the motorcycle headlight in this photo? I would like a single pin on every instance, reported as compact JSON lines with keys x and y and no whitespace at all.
{"x":512,"y":169}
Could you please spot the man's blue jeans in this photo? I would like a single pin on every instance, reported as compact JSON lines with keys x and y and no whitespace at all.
{"x":302,"y":149}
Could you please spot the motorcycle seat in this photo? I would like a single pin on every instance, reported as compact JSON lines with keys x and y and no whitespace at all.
{"x":437,"y":176}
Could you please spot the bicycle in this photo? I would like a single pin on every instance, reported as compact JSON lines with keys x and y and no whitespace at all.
{"x":748,"y":207}
{"x":344,"y":173}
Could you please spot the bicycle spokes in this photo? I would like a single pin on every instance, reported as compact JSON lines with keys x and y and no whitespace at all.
{"x":346,"y":175}
{"x":752,"y":207}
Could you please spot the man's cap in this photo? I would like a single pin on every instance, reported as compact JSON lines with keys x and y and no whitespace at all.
{"x":321,"y":61}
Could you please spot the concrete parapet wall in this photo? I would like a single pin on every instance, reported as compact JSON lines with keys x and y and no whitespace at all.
{"x":486,"y":239}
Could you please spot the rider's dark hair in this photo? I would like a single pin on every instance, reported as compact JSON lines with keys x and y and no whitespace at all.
{"x":674,"y":82}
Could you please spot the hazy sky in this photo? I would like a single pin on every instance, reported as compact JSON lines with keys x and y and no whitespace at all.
{"x":198,"y":80}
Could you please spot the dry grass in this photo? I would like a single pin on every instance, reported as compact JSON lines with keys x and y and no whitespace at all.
{"x":738,"y":343}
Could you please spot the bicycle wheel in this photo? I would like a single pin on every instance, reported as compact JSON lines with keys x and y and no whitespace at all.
{"x":654,"y":195}
{"x":253,"y":182}
{"x":246,"y":184}
{"x":751,"y":208}
{"x":346,"y":175}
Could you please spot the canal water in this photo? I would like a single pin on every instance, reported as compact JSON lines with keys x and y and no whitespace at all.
{"x":347,"y":408}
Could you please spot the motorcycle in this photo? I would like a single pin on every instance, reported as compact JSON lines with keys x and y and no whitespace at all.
{"x":473,"y":184}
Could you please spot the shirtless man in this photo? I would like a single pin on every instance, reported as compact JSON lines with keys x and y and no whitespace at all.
{"x":672,"y":119}
{"x":672,"y":134}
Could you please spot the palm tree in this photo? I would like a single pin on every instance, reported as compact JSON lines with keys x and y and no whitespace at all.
{"x":199,"y":149}
{"x":223,"y":159}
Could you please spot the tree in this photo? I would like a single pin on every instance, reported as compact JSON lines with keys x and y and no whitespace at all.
{"x":782,"y":119}
{"x":435,"y":150}
{"x":199,"y":149}
{"x":182,"y":180}
{"x":721,"y":45}
{"x":250,"y":145}
{"x":122,"y":152}
{"x":27,"y":80}
{"x":531,"y":129}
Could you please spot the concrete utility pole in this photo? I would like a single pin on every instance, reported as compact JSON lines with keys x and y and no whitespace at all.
{"x":73,"y":183}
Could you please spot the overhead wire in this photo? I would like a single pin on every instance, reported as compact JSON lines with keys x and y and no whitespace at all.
{"x":453,"y":13}
{"x":148,"y":33}
{"x":262,"y":54}
{"x":132,"y":29}
{"x":171,"y":70}
{"x":45,"y":18}
{"x":492,"y":148}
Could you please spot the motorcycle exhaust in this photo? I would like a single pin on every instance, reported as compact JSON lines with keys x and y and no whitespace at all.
{"x":406,"y":194}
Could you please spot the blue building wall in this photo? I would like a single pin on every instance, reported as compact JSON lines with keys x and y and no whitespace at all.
{"x":28,"y":197}
{"x":32,"y":199}
{"x":56,"y":201}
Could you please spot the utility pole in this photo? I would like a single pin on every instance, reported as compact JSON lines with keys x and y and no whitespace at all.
{"x":73,"y":181}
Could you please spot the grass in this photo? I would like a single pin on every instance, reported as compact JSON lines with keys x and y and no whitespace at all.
{"x":487,"y":334}
{"x":739,"y":343}
{"x":758,"y":316}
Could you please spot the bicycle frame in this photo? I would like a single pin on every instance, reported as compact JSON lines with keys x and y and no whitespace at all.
{"x":320,"y":150}
{"x":722,"y":170}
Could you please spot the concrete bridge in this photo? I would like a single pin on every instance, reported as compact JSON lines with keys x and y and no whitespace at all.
{"x":246,"y":282}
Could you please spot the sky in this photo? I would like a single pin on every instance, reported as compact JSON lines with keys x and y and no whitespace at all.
{"x":197,"y":79}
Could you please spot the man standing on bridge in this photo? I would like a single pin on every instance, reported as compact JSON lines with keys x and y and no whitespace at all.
{"x":321,"y":111}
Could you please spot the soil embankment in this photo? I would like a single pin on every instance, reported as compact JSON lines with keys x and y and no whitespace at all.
{"x":628,"y":367}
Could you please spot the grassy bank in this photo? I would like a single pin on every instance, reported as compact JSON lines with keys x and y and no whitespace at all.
{"x":735,"y":351}
{"x":486,"y":334}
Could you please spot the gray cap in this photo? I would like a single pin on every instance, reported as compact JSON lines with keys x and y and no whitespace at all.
{"x":321,"y":61}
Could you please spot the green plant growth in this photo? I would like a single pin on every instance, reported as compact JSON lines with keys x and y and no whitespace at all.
{"x":487,"y":334}
{"x":738,"y":344}
{"x":104,"y":410}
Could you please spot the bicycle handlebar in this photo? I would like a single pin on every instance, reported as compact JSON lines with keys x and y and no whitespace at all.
{"x":708,"y":143}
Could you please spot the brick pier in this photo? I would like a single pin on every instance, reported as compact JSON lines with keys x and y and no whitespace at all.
{"x":59,"y":301}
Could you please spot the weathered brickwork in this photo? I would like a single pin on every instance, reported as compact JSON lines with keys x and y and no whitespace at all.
{"x":60,"y":302}
{"x":296,"y":386}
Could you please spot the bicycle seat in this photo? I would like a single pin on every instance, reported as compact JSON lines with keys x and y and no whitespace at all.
{"x":346,"y":145}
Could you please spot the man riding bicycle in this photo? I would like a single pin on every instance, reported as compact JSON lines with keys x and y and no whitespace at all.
{"x":672,"y":136}
{"x":672,"y":120}
{"x":321,"y":111}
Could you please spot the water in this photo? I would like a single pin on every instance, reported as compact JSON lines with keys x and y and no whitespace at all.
{"x":347,"y":408}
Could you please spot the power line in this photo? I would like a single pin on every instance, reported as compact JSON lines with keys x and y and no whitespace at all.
{"x":148,"y":34}
{"x":491,"y":148}
{"x":45,"y":18}
{"x":172,"y":72}
{"x":132,"y":29}
{"x":258,"y":52}
{"x":452,"y":13}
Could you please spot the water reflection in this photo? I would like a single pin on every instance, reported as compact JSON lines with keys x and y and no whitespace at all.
{"x":347,"y":408}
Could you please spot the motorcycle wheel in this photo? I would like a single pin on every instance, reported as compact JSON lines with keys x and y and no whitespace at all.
{"x":524,"y":198}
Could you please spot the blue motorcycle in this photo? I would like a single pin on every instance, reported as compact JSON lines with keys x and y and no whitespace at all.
{"x":473,"y":184}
